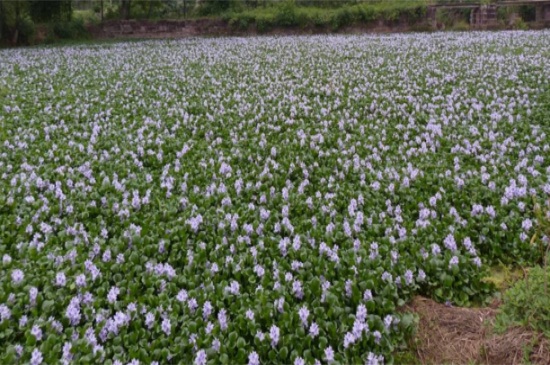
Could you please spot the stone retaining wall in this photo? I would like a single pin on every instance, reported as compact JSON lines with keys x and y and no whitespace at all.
{"x":165,"y":28}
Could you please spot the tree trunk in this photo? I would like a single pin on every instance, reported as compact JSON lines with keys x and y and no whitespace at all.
{"x":125,"y":9}
{"x":2,"y":15}
{"x":150,"y":11}
{"x":16,"y":34}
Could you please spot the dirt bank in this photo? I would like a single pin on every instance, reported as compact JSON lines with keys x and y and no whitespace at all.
{"x":453,"y":335}
{"x":217,"y":27}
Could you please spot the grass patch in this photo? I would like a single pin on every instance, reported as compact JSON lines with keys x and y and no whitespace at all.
{"x":527,"y":303}
{"x":503,"y":276}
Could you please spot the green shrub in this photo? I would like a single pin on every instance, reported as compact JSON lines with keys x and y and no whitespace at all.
{"x":391,"y":14}
{"x":341,"y":18}
{"x":527,"y":303}
{"x":26,"y":30}
{"x":367,"y":14}
{"x":321,"y":19}
{"x":73,"y":29}
{"x":521,"y":24}
{"x":215,"y":7}
{"x":461,"y":26}
{"x":87,"y":16}
{"x":264,"y":22}
{"x":110,"y":12}
{"x":286,"y":14}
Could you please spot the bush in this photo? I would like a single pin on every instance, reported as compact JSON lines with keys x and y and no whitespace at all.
{"x":87,"y":16}
{"x":461,"y":26}
{"x":320,"y":19}
{"x":73,"y":29}
{"x":215,"y":7}
{"x":26,"y":30}
{"x":341,"y":18}
{"x":110,"y":12}
{"x":367,"y":14}
{"x":527,"y":303}
{"x":521,"y":25}
{"x":264,"y":22}
{"x":286,"y":14}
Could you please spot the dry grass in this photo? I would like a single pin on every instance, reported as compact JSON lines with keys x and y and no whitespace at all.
{"x":453,"y":335}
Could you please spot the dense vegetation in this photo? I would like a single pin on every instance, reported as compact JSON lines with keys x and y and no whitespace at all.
{"x":253,"y":200}
{"x":20,"y":21}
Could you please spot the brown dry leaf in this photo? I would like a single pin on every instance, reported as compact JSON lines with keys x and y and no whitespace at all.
{"x":454,"y":335}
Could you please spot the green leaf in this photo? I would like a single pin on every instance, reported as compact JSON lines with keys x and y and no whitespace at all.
{"x":283,"y":353}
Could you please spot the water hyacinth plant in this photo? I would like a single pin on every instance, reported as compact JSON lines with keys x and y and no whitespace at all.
{"x":260,"y":200}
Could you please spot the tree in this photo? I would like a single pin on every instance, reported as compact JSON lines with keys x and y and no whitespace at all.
{"x":45,"y":11}
{"x":125,"y":9}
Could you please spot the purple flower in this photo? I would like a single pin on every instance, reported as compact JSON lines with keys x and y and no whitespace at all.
{"x":166,"y":327}
{"x":17,"y":276}
{"x":377,"y":336}
{"x":477,"y":261}
{"x":222,"y":319}
{"x":408,"y":277}
{"x":329,"y":354}
{"x":297,"y":289}
{"x":149,"y":320}
{"x":36,"y":332}
{"x":182,"y":296}
{"x":303,"y":313}
{"x":200,"y":358}
{"x":372,"y":359}
{"x":67,"y":355}
{"x":453,"y":262}
{"x":361,"y":314}
{"x":450,"y":242}
{"x":314,"y":329}
{"x":367,"y":295}
{"x":233,"y":287}
{"x":73,"y":311}
{"x":421,"y":275}
{"x":253,"y":358}
{"x":250,"y":315}
{"x":81,"y":280}
{"x":6,"y":259}
{"x":36,"y":357}
{"x":207,"y":309}
{"x":5,"y":313}
{"x":349,"y":339}
{"x":274,"y":333}
{"x":388,"y":321}
{"x":113,"y":294}
{"x":216,"y":344}
{"x":60,"y":279}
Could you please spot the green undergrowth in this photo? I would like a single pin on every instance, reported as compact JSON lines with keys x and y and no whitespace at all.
{"x":527,"y":303}
{"x":288,"y":14}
